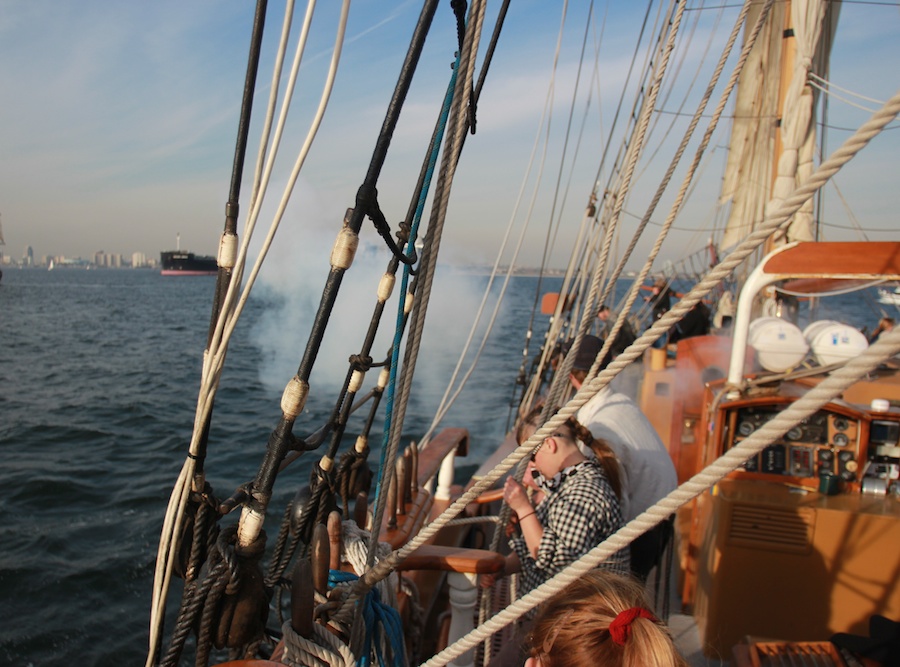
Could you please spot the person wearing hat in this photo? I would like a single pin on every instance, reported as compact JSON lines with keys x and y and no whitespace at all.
{"x":647,"y":471}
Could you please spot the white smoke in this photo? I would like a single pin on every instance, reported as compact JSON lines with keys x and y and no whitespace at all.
{"x":290,"y":289}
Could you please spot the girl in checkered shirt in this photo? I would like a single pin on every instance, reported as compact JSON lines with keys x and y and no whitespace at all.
{"x":578,"y":505}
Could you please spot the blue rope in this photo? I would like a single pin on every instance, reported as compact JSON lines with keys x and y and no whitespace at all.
{"x":404,"y":282}
{"x":380,"y":619}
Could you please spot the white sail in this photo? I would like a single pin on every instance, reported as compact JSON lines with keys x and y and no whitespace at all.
{"x":798,"y":130}
{"x":749,"y":178}
{"x":748,"y":172}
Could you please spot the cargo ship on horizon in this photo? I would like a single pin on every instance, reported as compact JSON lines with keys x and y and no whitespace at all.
{"x":180,"y":262}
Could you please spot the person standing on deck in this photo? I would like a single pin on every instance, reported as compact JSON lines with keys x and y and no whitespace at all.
{"x":646,"y":469}
{"x":624,"y":338}
{"x":661,"y":300}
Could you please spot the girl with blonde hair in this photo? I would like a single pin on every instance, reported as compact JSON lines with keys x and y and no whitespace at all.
{"x":601,"y":620}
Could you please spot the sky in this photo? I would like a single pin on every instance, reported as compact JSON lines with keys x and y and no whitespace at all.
{"x":119,"y":121}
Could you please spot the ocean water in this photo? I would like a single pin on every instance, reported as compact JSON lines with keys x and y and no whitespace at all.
{"x":99,"y":372}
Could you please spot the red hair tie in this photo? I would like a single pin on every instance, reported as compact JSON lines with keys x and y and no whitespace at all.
{"x":620,"y":628}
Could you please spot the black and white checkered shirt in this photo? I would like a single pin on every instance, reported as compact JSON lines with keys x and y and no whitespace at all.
{"x":578,"y":515}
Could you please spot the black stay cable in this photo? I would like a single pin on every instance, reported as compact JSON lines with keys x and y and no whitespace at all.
{"x":282,"y":440}
{"x":232,"y":206}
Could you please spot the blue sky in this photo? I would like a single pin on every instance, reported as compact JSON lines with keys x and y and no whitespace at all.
{"x":119,"y":119}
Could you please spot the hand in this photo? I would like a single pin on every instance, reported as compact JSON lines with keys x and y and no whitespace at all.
{"x":488,"y":580}
{"x":528,"y":479}
{"x":515,"y":496}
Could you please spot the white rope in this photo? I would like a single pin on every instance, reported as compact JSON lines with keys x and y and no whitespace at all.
{"x":214,"y":357}
{"x":449,"y":162}
{"x":561,"y":380}
{"x":698,"y":154}
{"x":826,"y":86}
{"x":327,"y":651}
{"x":450,"y":395}
{"x":676,"y":206}
{"x":356,"y":541}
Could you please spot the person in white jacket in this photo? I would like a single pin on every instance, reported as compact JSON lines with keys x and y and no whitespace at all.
{"x":648,"y":473}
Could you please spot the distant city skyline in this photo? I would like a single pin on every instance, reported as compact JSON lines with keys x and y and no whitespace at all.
{"x":120,"y":122}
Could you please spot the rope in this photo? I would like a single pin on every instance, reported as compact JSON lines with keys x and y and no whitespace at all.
{"x":439,"y":211}
{"x":802,"y":408}
{"x":383,"y":629}
{"x":447,"y":400}
{"x":214,"y":356}
{"x":327,"y":651}
{"x":561,"y":380}
{"x":676,"y":205}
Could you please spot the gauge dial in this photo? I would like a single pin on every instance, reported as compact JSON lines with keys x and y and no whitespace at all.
{"x":794,"y":434}
{"x":841,"y":439}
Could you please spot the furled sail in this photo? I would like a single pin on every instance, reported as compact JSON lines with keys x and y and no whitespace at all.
{"x":748,"y":171}
{"x":749,"y":181}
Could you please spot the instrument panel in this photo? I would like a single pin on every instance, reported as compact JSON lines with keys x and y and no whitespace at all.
{"x":825,"y":443}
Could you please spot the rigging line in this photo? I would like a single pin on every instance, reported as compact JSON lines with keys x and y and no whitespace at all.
{"x":638,"y":145}
{"x":850,"y":129}
{"x":774,"y":220}
{"x":449,"y":163}
{"x":829,"y":85}
{"x":401,"y":318}
{"x":595,"y":73}
{"x":621,"y":102}
{"x":867,"y":2}
{"x":219,"y":355}
{"x":834,"y":292}
{"x":182,"y":489}
{"x":551,"y":95}
{"x":442,"y":410}
{"x":227,"y":323}
{"x":560,"y":381}
{"x":801,"y":409}
{"x":439,"y":413}
{"x":701,"y":107}
{"x":554,"y":225}
{"x":392,"y":428}
{"x":616,"y":177}
{"x":856,"y":227}
{"x":710,"y":7}
{"x":847,"y":209}
{"x":213,"y":361}
{"x":684,"y":49}
{"x":731,"y":116}
{"x":842,"y":98}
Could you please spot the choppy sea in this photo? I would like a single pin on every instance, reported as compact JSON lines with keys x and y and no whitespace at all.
{"x":99,"y":372}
